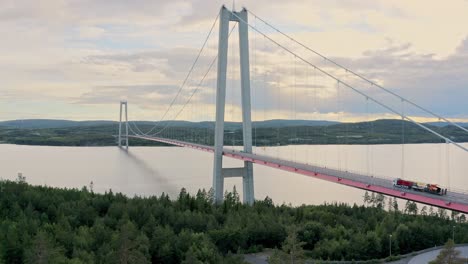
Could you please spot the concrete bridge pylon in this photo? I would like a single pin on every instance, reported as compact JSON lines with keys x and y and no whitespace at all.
{"x":246,"y":172}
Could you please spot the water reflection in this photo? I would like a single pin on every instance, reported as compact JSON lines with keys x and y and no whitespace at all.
{"x":146,"y":171}
{"x":149,"y":172}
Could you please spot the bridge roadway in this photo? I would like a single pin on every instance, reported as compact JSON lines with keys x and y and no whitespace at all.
{"x":455,"y":201}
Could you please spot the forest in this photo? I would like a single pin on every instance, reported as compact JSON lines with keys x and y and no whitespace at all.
{"x":265,"y":133}
{"x":40,"y":224}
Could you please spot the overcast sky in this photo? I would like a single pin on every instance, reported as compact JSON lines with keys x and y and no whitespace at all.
{"x":77,"y":59}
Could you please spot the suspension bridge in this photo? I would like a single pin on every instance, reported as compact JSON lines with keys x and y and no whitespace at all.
{"x":272,"y":75}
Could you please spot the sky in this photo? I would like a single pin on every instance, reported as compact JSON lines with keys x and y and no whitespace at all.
{"x":77,"y":59}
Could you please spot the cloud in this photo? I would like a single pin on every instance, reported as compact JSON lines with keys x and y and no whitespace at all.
{"x":140,"y":94}
{"x":93,"y":53}
{"x":90,"y":32}
{"x":429,"y":81}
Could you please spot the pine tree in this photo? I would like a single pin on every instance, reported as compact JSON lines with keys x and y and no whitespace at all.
{"x":130,"y":246}
{"x":380,"y":201}
{"x":372,"y":200}
{"x":210,"y":195}
{"x":424,"y":210}
{"x":43,"y":250}
{"x":442,"y":213}
{"x":462,"y":219}
{"x":413,"y":208}
{"x":366,"y":198}
{"x":448,"y":255}
{"x":291,"y":252}
{"x":407,"y":206}
{"x":453,"y":215}
{"x":431,"y":211}
{"x":293,"y":247}
{"x":395,"y":204}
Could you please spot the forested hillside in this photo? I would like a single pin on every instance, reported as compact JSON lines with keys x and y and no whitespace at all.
{"x":79,"y":226}
{"x":264,"y":133}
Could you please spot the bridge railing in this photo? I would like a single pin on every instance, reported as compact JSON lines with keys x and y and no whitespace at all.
{"x":375,"y":178}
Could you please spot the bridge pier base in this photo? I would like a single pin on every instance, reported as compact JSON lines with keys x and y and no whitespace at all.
{"x":246,"y":172}
{"x":123,"y":137}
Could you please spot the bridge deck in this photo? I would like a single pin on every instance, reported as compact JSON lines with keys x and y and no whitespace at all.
{"x":453,"y":200}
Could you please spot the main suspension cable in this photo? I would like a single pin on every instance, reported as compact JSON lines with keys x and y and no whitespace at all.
{"x":352,"y":88}
{"x":359,"y":75}
{"x":187,"y":76}
{"x":194,"y":90}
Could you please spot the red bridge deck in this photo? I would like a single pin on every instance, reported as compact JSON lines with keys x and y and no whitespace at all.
{"x":452,"y":201}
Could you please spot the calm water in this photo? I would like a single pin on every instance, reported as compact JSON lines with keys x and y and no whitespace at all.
{"x":153,"y":170}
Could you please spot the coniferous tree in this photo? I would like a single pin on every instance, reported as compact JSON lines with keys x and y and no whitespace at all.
{"x":367,"y":198}
{"x":431,"y":211}
{"x":390,"y":204}
{"x":424,"y":210}
{"x":454,"y":215}
{"x":395,"y":204}
{"x":210,"y":195}
{"x":448,"y":255}
{"x":43,"y":251}
{"x":372,"y":200}
{"x":380,"y":201}
{"x":442,"y":213}
{"x":292,"y":251}
{"x":407,"y":206}
{"x":79,"y":227}
{"x":462,"y":219}
{"x":413,"y":208}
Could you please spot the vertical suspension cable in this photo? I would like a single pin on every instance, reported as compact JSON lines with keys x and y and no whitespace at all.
{"x":230,"y":96}
{"x":360,"y":76}
{"x":402,"y":139}
{"x":447,"y":161}
{"x":288,"y":108}
{"x":210,"y":120}
{"x":314,"y":85}
{"x":354,"y":89}
{"x":295,"y":110}
{"x":325,"y":129}
{"x":191,"y":131}
{"x":307,"y":132}
{"x":183,"y":83}
{"x":255,"y":121}
{"x":340,"y":139}
{"x":346,"y":131}
{"x":195,"y":117}
{"x":367,"y":137}
{"x":439,"y":162}
{"x":373,"y":147}
{"x":264,"y":60}
{"x":278,"y":98}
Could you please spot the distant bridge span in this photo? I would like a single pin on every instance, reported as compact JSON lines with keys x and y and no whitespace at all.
{"x":453,"y":200}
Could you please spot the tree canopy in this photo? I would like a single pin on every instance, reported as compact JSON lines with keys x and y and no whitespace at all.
{"x":40,"y":224}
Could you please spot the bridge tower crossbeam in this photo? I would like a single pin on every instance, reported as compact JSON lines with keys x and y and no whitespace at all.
{"x":246,"y":172}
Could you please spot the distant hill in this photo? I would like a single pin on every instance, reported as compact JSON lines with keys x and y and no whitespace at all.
{"x":266,"y":133}
{"x":443,"y":124}
{"x":57,"y":123}
{"x":292,"y":123}
{"x":51,"y":123}
{"x":274,"y":123}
